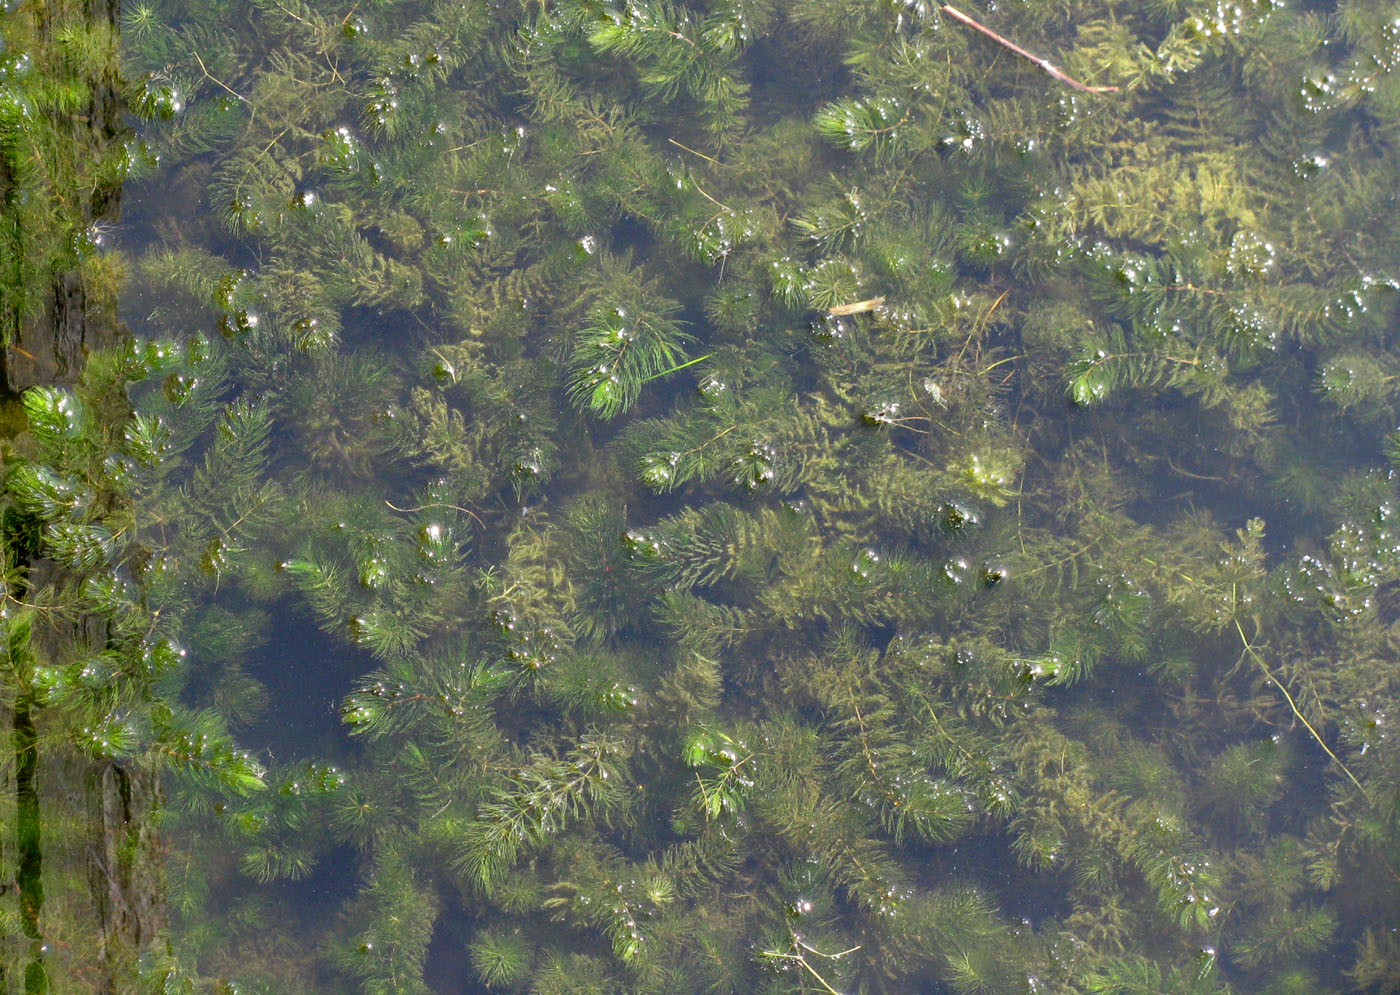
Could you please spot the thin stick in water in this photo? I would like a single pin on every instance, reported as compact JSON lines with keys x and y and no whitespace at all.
{"x":1007,"y":43}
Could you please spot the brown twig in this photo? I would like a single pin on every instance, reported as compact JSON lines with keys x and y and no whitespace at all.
{"x":1007,"y":43}
{"x":859,"y":307}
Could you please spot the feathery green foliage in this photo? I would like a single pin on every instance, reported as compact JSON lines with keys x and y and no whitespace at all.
{"x":783,"y":498}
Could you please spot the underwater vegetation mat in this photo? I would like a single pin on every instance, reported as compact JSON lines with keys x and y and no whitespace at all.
{"x":781,"y":497}
{"x":82,"y":890}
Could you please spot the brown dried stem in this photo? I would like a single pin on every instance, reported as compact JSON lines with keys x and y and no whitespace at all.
{"x":1007,"y":43}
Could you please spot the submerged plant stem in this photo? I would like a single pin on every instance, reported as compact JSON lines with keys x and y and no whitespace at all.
{"x":1254,"y":654}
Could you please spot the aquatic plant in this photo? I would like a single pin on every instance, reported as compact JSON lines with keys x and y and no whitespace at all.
{"x":1004,"y":603}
